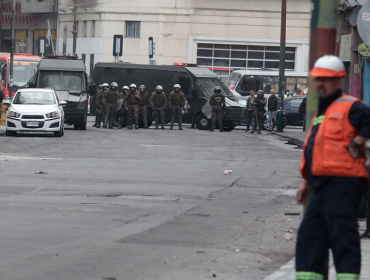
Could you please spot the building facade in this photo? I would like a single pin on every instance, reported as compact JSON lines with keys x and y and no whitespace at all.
{"x":233,"y":34}
{"x":33,"y":18}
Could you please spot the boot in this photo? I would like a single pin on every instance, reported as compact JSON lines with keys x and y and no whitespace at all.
{"x":136,"y":121}
{"x":98,"y":121}
{"x":145,"y":121}
{"x":156,"y":122}
{"x":172,"y":122}
{"x":105,"y":122}
{"x":121,"y":120}
{"x":162,"y":123}
{"x":221,"y":127}
{"x":180,"y":123}
{"x":111,"y":120}
{"x":213,"y":125}
{"x":129,"y":122}
{"x":260,"y":123}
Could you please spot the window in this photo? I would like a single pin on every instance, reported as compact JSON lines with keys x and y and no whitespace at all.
{"x":296,"y":102}
{"x":59,"y":80}
{"x":133,"y":29}
{"x":235,"y":57}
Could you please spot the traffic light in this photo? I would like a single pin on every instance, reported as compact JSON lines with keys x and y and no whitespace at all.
{"x":151,"y":47}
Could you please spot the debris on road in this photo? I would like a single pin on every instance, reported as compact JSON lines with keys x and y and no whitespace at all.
{"x":288,"y":237}
{"x":41,"y":172}
{"x":292,"y":214}
{"x":228,"y":172}
{"x":288,"y":230}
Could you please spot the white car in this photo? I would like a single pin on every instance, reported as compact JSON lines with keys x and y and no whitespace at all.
{"x":35,"y":110}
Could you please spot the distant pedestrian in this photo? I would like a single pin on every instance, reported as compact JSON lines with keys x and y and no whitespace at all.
{"x":258,"y":116}
{"x":217,"y":101}
{"x":122,"y":107}
{"x":250,"y":109}
{"x":302,"y":110}
{"x":110,"y":101}
{"x":176,"y":102}
{"x":144,"y":101}
{"x":272,"y":107}
{"x":99,"y":101}
{"x":334,"y":174}
{"x":159,"y":101}
{"x":132,"y":101}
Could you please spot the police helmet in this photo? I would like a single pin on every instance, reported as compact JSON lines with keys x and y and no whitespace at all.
{"x":142,"y":88}
{"x":106,"y":85}
{"x":159,"y":87}
{"x":125,"y":87}
{"x":132,"y":86}
{"x":114,"y":84}
{"x":217,"y":89}
{"x":177,"y":86}
{"x":260,"y":93}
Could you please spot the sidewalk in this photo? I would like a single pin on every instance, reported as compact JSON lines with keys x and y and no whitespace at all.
{"x":287,"y":271}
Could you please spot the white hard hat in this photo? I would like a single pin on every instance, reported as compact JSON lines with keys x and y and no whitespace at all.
{"x":159,"y":87}
{"x":329,"y":66}
{"x":133,"y":85}
{"x":177,"y":86}
{"x":125,"y":87}
{"x":105,"y":85}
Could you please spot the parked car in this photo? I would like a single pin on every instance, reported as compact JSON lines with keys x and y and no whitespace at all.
{"x":35,"y":110}
{"x":291,"y":106}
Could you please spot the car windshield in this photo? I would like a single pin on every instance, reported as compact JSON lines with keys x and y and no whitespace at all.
{"x":61,"y":80}
{"x":232,"y":80}
{"x":23,"y":71}
{"x":208,"y":84}
{"x":34,"y":97}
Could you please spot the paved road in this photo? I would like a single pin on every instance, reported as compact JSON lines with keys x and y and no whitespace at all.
{"x":146,"y":204}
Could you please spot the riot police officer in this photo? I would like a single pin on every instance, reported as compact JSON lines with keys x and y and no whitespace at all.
{"x":132,"y":102}
{"x":110,"y":98}
{"x":100,"y":88}
{"x":158,"y":101}
{"x":259,"y":113}
{"x":217,"y":101}
{"x":144,"y":100}
{"x":176,"y":102}
{"x":121,"y":106}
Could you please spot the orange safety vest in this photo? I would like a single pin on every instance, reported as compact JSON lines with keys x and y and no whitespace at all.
{"x":330,"y":153}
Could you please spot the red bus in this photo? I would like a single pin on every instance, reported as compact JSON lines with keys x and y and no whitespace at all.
{"x":25,"y":66}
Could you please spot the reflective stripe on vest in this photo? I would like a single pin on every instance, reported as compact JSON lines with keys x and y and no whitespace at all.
{"x":330,"y":155}
{"x":306,"y":275}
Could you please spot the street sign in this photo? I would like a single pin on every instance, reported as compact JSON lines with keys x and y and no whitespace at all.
{"x":41,"y":42}
{"x":364,"y":50}
{"x":117,"y":45}
{"x":363,"y":23}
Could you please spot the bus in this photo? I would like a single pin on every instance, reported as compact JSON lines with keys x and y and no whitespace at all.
{"x":241,"y":82}
{"x":25,"y":66}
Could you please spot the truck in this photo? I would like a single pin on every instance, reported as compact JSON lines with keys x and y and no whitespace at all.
{"x":68,"y":78}
{"x":196,"y":83}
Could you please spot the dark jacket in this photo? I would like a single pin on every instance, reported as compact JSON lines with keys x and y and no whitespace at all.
{"x":1,"y":97}
{"x":273,"y":103}
{"x":302,"y":107}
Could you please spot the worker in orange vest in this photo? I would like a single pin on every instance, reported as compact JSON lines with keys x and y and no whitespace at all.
{"x":334,"y":173}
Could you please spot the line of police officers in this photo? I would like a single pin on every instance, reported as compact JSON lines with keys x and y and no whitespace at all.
{"x":131,"y":103}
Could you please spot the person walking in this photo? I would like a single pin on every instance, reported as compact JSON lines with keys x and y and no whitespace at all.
{"x":176,"y":102}
{"x":272,"y":107}
{"x":250,"y":109}
{"x":302,"y":110}
{"x":259,"y":112}
{"x":132,"y":101}
{"x":110,"y":98}
{"x":144,"y":100}
{"x":158,"y":101}
{"x":218,"y":103}
{"x":334,"y":174}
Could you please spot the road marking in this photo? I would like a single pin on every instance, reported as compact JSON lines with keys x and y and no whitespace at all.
{"x":152,"y":145}
{"x":4,"y":157}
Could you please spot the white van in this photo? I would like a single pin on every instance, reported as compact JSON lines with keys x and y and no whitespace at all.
{"x":241,"y":82}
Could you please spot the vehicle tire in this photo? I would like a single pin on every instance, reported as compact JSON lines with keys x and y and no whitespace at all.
{"x":62,"y":129}
{"x":229,"y":128}
{"x":203,"y":123}
{"x":59,"y":133}
{"x":10,"y":133}
{"x":83,"y":126}
{"x":76,"y":126}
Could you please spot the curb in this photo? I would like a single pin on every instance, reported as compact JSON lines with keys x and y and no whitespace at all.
{"x":295,"y":141}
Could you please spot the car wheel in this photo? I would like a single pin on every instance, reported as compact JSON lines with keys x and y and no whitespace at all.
{"x":203,"y":123}
{"x":76,"y":126}
{"x":11,"y":133}
{"x":59,"y":133}
{"x":62,"y":129}
{"x":83,"y":126}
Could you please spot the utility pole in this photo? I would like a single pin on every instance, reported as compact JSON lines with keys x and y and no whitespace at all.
{"x":280,"y":123}
{"x":74,"y":32}
{"x":12,"y":49}
{"x":322,"y":42}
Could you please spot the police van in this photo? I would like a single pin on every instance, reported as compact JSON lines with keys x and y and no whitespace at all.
{"x":196,"y":83}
